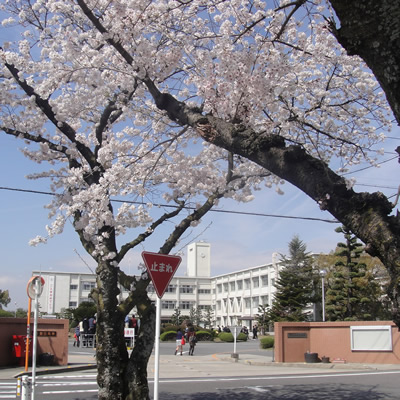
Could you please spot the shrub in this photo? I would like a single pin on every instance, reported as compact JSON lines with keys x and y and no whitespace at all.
{"x":169,"y":328}
{"x":267,"y":342}
{"x":226,"y":336}
{"x":168,"y":335}
{"x":204,"y":335}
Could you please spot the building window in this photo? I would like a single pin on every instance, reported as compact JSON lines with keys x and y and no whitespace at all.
{"x":239,"y":285}
{"x":219,"y":305}
{"x":204,"y":291}
{"x":256,"y":282}
{"x":225,"y":287}
{"x":264,"y":300}
{"x":171,"y":289}
{"x":72,"y":303}
{"x":219,"y":288}
{"x":88,"y":285}
{"x":247,"y":302}
{"x":73,"y":287}
{"x":264,"y":280}
{"x":232,"y":286}
{"x":186,"y":289}
{"x":239,"y":301}
{"x":256,"y":302}
{"x":247,"y":283}
{"x":185,"y":305}
{"x":168,"y":305}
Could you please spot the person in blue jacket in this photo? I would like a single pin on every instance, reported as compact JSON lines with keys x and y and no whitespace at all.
{"x":179,"y":337}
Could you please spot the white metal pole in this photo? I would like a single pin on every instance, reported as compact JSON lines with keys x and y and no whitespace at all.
{"x":234,"y":341}
{"x":157,"y":348}
{"x":34,"y":347}
{"x":25,"y":388}
{"x":323,"y":299}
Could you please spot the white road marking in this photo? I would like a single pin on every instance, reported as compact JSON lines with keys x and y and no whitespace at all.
{"x":279,"y":377}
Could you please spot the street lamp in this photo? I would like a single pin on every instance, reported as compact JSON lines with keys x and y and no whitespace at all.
{"x":323,"y":274}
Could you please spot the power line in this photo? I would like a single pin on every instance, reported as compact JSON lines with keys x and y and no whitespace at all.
{"x":254,"y":214}
{"x":370,"y":166}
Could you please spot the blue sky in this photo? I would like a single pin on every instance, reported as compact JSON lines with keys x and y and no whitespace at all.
{"x":237,"y":241}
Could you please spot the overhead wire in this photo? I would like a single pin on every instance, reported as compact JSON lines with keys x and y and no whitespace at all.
{"x":254,"y":214}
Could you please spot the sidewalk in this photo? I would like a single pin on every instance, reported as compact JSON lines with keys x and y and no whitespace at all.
{"x":219,"y":364}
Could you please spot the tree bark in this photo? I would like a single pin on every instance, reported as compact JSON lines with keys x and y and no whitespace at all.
{"x":120,"y":376}
{"x":371,"y":29}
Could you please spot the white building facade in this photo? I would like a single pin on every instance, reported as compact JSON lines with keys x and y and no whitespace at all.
{"x":234,"y":297}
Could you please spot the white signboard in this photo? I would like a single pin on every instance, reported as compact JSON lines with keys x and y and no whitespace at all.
{"x":50,"y":294}
{"x":129,"y":332}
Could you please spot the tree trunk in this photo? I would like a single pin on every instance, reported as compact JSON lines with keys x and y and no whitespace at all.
{"x":121,"y":377}
{"x":371,"y":29}
{"x":111,"y":350}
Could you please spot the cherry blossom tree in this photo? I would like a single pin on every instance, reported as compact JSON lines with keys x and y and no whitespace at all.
{"x":190,"y":101}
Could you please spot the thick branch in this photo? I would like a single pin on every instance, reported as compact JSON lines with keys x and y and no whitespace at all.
{"x":47,"y":110}
{"x":371,"y":29}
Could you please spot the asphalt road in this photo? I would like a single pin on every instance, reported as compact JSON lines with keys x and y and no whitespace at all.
{"x":209,"y":376}
{"x":382,"y":385}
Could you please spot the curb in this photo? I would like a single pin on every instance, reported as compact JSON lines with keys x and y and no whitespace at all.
{"x":58,"y":370}
{"x":329,"y":366}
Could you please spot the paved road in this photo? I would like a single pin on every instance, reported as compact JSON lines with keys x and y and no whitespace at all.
{"x":364,"y":385}
{"x":212,"y":374}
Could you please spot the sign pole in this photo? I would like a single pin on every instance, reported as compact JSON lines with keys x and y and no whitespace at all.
{"x":34,"y":290}
{"x":157,"y":348}
{"x":37,"y":292}
{"x":28,"y":334}
{"x":161,"y":268}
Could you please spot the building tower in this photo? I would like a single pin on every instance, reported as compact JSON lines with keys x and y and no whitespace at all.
{"x":198,"y":260}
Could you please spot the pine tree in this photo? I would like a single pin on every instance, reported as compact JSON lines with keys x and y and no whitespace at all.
{"x":295,"y":285}
{"x":176,"y":318}
{"x":208,"y":317}
{"x":353,"y":293}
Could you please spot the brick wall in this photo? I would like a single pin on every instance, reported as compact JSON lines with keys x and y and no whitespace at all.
{"x":330,"y":339}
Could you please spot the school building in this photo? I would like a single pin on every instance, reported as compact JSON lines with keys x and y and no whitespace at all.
{"x":234,"y":297}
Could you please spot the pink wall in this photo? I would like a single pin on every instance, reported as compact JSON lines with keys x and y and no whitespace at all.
{"x":57,"y":345}
{"x":330,"y":339}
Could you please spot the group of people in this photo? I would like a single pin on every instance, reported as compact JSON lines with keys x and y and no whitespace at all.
{"x":189,"y":336}
{"x":85,"y":327}
{"x":243,"y":330}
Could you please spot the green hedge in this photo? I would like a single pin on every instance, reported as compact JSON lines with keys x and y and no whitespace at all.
{"x":228,"y":337}
{"x":169,"y":335}
{"x":204,"y":335}
{"x":267,"y":342}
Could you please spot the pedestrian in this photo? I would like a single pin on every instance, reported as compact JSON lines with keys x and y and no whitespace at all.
{"x":92,"y":326}
{"x":77,"y":335}
{"x":133,"y":322}
{"x":180,"y":341}
{"x":192,"y":339}
{"x":255,"y":329}
{"x":85,"y":323}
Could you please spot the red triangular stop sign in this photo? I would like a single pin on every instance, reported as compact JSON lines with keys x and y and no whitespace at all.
{"x":161,"y":268}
